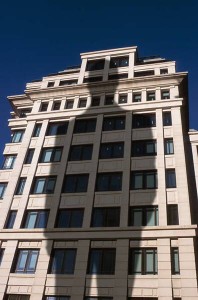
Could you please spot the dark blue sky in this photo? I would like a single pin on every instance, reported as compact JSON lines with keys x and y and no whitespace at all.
{"x":42,"y":37}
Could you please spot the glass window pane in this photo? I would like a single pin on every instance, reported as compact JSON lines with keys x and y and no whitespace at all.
{"x":137,"y":217}
{"x":57,"y":155}
{"x":150,"y":180}
{"x":50,"y":186}
{"x":57,"y":261}
{"x":23,"y":254}
{"x":42,"y":219}
{"x":149,"y":261}
{"x":47,"y":155}
{"x":108,"y":262}
{"x":138,"y":181}
{"x":82,"y":183}
{"x":69,"y":261}
{"x":31,"y":220}
{"x":137,"y":262}
{"x":39,"y":186}
{"x":98,"y":217}
{"x":150,"y":217}
{"x":32,"y":260}
{"x":95,"y":261}
{"x":76,"y":218}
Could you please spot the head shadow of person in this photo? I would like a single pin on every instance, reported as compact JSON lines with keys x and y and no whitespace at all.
{"x":78,"y":264}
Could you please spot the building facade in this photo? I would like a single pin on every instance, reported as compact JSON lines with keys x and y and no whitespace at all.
{"x":98,"y":190}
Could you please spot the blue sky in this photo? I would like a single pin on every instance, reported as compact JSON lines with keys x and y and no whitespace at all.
{"x":42,"y":37}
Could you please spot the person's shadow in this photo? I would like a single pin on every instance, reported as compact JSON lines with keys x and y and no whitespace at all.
{"x":98,"y":191}
{"x":104,"y":194}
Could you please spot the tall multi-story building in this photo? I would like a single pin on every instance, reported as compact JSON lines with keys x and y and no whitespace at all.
{"x":98,"y":190}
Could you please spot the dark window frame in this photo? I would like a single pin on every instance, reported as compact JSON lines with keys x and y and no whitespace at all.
{"x":143,"y":210}
{"x":175,"y":266}
{"x":9,"y":224}
{"x":114,"y":123}
{"x":76,"y":183}
{"x":109,"y":185}
{"x":144,"y":174}
{"x":29,"y":156}
{"x":15,"y":138}
{"x":139,"y":148}
{"x":45,"y":190}
{"x":71,"y":221}
{"x":107,"y":214}
{"x":38,"y":221}
{"x":112,"y":150}
{"x":57,"y":128}
{"x":103,"y":254}
{"x":143,"y":252}
{"x":52,"y":264}
{"x":85,"y":125}
{"x":144,"y":120}
{"x":54,"y":151}
{"x":26,"y":269}
{"x":81,"y":153}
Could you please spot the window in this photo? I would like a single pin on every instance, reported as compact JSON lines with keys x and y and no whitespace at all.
{"x":29,"y":156}
{"x":17,"y":136}
{"x":36,"y":219}
{"x":144,"y":73}
{"x":92,"y":79}
{"x":114,"y":123}
{"x":112,"y":150}
{"x":120,"y":61}
{"x":37,"y":130}
{"x":68,"y":82}
{"x":44,"y":185}
{"x":57,"y":128}
{"x":93,"y":65}
{"x":118,"y":76}
{"x":150,"y":96}
{"x":170,"y":178}
{"x":2,"y":250}
{"x":17,"y":297}
{"x":9,"y":162}
{"x":57,"y":298}
{"x":105,"y":217}
{"x":75,"y":183}
{"x":86,"y":125}
{"x":20,"y":186}
{"x":168,"y":146}
{"x":109,"y":99}
{"x":165,"y":94}
{"x":56,"y":105}
{"x":44,"y":106}
{"x":144,"y":120}
{"x":144,"y":298}
{"x":24,"y":112}
{"x":3,"y":186}
{"x":143,"y":216}
{"x":172,"y":214}
{"x":144,"y":179}
{"x":50,"y":84}
{"x":102,"y":261}
{"x":68,"y":218}
{"x":26,"y":261}
{"x":62,"y":261}
{"x":175,"y":261}
{"x":51,"y":155}
{"x":69,"y":104}
{"x":98,"y":298}
{"x":163,"y":71}
{"x":11,"y":219}
{"x":167,"y":120}
{"x":80,"y":152}
{"x":122,"y":98}
{"x":82,"y":103}
{"x":144,"y":148}
{"x":137,"y":97}
{"x":109,"y":182}
{"x":95,"y":101}
{"x":143,"y":261}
